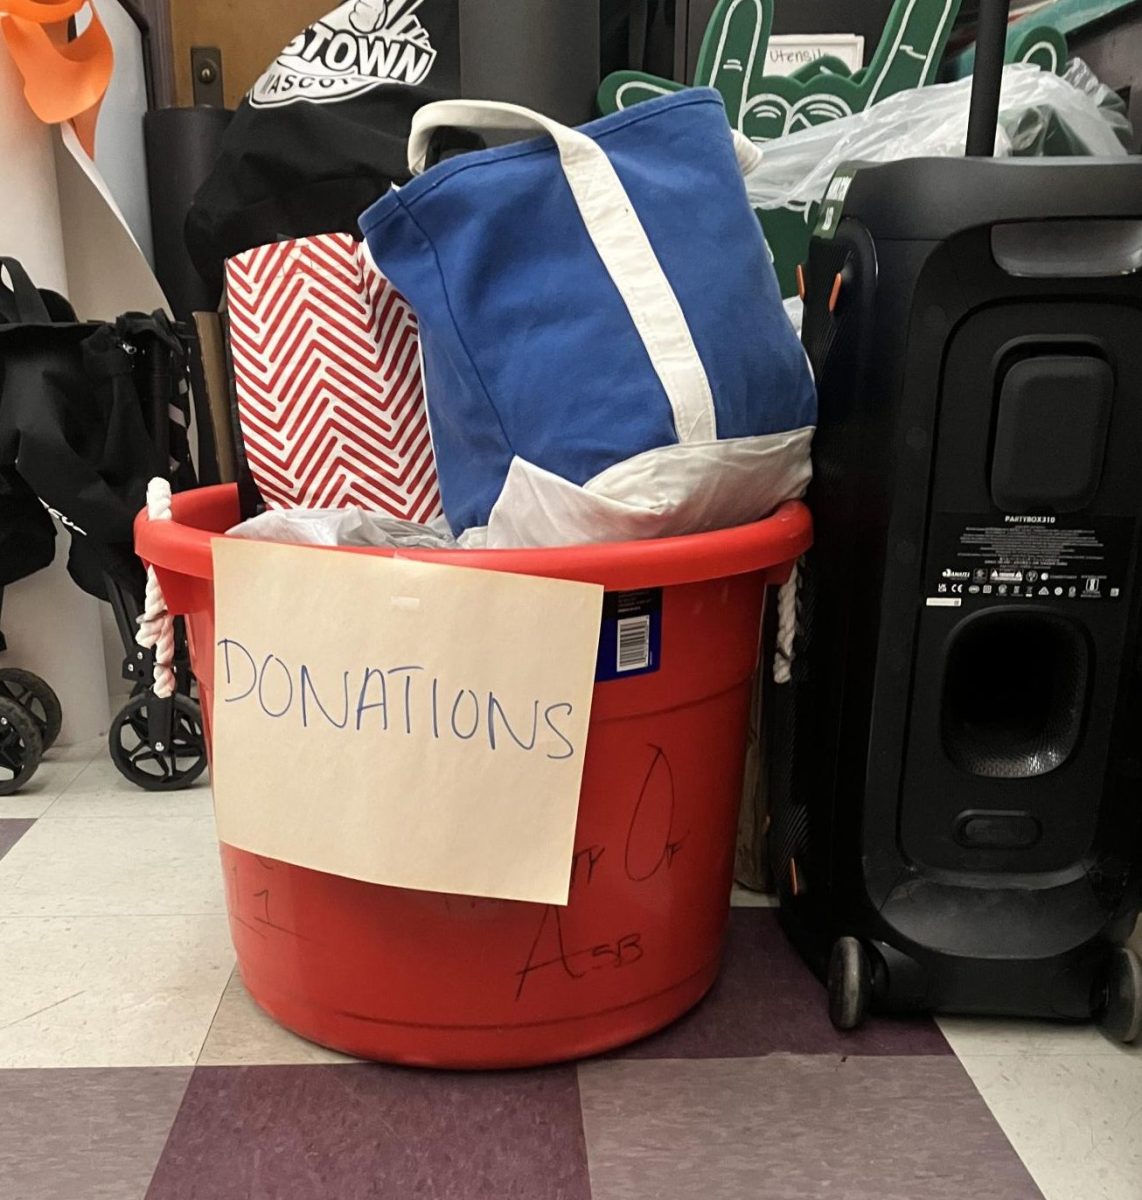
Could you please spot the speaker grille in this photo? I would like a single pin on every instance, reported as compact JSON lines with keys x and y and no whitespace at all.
{"x":1014,"y":694}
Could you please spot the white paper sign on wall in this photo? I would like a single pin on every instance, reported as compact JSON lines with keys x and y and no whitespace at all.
{"x":791,"y":52}
{"x":401,"y":722}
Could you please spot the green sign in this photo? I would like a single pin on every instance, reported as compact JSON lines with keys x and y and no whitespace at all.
{"x":763,"y":107}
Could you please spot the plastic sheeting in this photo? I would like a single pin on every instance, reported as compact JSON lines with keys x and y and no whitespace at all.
{"x":1037,"y":111}
{"x":663,"y":493}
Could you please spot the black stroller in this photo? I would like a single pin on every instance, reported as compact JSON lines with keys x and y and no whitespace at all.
{"x":89,"y":414}
{"x":30,"y":712}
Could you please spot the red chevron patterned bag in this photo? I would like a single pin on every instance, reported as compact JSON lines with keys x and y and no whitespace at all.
{"x":327,"y":376}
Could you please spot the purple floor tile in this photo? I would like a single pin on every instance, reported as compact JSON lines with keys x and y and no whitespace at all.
{"x":375,"y":1133}
{"x":12,"y":829}
{"x":85,"y":1133}
{"x":767,"y":1001}
{"x":796,"y":1127}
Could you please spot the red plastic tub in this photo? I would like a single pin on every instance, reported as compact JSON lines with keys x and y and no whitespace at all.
{"x":450,"y":981}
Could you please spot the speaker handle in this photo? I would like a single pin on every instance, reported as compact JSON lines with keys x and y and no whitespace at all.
{"x":987,"y":79}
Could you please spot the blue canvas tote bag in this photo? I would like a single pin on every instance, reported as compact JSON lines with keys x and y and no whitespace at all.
{"x":589,"y":297}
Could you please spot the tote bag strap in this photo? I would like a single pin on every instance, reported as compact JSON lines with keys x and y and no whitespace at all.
{"x":618,"y":236}
{"x":19,"y":300}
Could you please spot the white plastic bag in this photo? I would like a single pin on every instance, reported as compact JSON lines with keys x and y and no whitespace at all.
{"x":932,"y":122}
{"x":667,"y":492}
{"x":661,"y":493}
{"x":343,"y":527}
{"x":1109,"y":103}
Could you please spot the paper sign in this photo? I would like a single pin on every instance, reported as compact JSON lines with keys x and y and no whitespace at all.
{"x":791,"y":52}
{"x":401,"y":722}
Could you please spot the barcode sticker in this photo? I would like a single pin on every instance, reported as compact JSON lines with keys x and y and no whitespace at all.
{"x":630,"y":637}
{"x":634,"y":644}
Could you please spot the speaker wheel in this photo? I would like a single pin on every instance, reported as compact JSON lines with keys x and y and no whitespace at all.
{"x":850,"y":984}
{"x":1122,"y":1008}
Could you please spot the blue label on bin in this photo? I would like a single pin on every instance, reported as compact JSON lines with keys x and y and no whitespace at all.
{"x":630,"y":642}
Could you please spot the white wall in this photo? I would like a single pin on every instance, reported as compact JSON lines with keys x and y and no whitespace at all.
{"x":119,"y":151}
{"x":51,"y":627}
{"x":56,"y":221}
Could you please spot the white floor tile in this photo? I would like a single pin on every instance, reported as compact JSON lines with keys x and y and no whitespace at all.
{"x":26,"y":804}
{"x":109,"y":991}
{"x":101,"y":777}
{"x":984,"y":1035}
{"x":242,"y":1035}
{"x":79,"y":752}
{"x":1076,"y":1122}
{"x":96,"y":866}
{"x":58,"y":771}
{"x":132,"y":802}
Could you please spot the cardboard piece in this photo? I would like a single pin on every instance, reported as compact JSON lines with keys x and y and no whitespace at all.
{"x":216,"y":378}
{"x":401,"y":722}
{"x":751,"y":861}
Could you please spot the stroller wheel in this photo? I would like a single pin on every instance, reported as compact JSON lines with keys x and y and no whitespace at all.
{"x":37,"y":698}
{"x":21,"y":746}
{"x":162,"y":767}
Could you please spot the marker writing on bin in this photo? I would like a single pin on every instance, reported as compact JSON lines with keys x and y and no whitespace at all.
{"x":651,"y":846}
{"x":651,"y":841}
{"x":584,"y":862}
{"x":405,"y":700}
{"x":551,"y":951}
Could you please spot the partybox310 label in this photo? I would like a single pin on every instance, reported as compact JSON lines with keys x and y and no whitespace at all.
{"x":1019,"y":558}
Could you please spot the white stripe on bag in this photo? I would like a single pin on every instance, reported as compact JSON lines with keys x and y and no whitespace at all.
{"x":618,"y":236}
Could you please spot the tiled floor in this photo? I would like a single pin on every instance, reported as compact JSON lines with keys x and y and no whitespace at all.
{"x":167,"y":1083}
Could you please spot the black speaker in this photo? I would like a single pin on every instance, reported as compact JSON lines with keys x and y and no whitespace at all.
{"x":957,"y":824}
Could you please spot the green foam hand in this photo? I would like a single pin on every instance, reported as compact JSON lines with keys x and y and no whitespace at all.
{"x":763,"y":107}
{"x":1043,"y":46}
{"x":733,"y":60}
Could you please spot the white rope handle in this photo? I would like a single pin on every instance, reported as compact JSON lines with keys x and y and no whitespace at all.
{"x":156,"y":625}
{"x":618,"y":236}
{"x":485,"y":114}
{"x":786,"y":630}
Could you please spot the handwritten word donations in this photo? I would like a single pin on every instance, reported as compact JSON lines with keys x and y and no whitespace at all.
{"x":404,"y":700}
